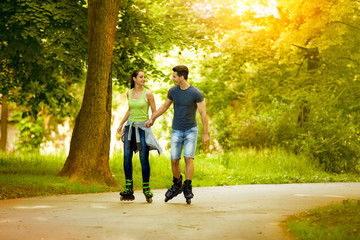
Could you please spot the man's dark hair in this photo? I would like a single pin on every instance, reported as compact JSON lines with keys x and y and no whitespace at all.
{"x":181,"y":70}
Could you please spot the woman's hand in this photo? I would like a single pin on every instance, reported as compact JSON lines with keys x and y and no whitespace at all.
{"x":119,"y":130}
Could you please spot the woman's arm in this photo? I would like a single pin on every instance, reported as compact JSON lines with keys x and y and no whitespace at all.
{"x":125,"y":118}
{"x":151,"y":99}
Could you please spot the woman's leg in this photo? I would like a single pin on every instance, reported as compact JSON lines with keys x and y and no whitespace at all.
{"x":144,"y":157}
{"x":128,"y":153}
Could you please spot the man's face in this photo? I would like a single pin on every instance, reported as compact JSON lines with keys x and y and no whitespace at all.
{"x":176,"y":79}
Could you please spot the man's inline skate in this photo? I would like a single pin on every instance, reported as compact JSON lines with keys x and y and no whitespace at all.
{"x":128,"y":193}
{"x":175,"y":189}
{"x":147,"y":192}
{"x":187,"y":190}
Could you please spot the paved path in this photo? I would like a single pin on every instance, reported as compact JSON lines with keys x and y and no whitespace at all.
{"x":233,"y":212}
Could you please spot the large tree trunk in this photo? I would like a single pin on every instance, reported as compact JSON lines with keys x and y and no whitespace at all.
{"x":88,"y":158}
{"x":4,"y":123}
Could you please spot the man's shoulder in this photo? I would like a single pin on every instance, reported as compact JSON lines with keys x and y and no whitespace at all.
{"x":195,"y":89}
{"x":173,"y":88}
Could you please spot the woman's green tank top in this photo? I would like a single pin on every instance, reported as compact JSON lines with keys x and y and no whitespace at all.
{"x":139,"y":108}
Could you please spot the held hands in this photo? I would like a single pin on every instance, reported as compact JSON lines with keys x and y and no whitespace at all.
{"x":149,"y":123}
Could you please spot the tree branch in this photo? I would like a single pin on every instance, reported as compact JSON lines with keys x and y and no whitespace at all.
{"x":344,"y":58}
{"x":302,"y":62}
{"x":304,"y":48}
{"x":347,"y":25}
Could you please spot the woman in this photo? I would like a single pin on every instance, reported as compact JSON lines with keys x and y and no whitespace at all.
{"x":136,"y":137}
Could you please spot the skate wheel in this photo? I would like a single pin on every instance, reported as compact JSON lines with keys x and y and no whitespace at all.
{"x":167,"y":199}
{"x":188,"y":201}
{"x":149,"y":200}
{"x":121,"y":198}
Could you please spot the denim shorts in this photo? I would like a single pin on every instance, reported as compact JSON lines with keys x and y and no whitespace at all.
{"x":183,"y":139}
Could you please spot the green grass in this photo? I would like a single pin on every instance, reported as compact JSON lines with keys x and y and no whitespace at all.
{"x":33,"y":174}
{"x":333,"y":222}
{"x":274,"y":166}
{"x":28,"y":185}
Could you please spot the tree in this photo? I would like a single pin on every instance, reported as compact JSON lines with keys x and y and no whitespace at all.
{"x":275,"y":66}
{"x":42,"y":52}
{"x":88,"y":158}
{"x":4,"y":123}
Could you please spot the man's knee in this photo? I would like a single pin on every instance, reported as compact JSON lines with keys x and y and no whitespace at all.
{"x":188,"y":160}
{"x":175,"y":161}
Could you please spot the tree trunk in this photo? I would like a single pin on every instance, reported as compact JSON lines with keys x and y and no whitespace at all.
{"x":313,"y":59}
{"x":4,"y":123}
{"x":313,"y":64}
{"x":88,"y":158}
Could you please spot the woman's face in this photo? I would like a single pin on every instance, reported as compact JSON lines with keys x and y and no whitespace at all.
{"x":140,"y":79}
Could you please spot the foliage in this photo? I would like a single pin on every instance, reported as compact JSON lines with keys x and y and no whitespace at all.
{"x":274,"y":73}
{"x":32,"y":132}
{"x":148,"y":28}
{"x":43,"y":47}
{"x":336,"y":221}
{"x":289,"y":78}
{"x":42,"y":51}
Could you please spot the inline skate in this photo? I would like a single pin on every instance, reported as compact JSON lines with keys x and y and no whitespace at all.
{"x":128,"y":193}
{"x":147,"y":192}
{"x":187,"y":190}
{"x":175,"y":189}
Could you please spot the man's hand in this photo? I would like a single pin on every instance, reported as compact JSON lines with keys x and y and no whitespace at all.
{"x":206,"y":141}
{"x":149,"y":123}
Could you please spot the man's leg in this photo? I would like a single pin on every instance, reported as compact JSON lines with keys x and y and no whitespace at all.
{"x":189,"y":151}
{"x":176,"y":168}
{"x":189,"y":154}
{"x":189,"y":172}
{"x":176,"y":147}
{"x":189,"y":168}
{"x":176,"y":143}
{"x":176,"y":188}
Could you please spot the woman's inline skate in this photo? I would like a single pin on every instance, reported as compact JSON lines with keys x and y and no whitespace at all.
{"x":147,"y":192}
{"x":128,"y":193}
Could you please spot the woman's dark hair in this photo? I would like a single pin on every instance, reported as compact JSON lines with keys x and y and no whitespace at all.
{"x":134,"y":75}
{"x":181,"y":70}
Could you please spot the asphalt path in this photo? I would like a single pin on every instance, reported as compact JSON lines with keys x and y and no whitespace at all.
{"x":228,"y":212}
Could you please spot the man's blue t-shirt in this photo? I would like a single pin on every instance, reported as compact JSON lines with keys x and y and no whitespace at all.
{"x":185,"y":106}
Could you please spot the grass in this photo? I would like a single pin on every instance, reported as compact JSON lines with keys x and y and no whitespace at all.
{"x":32,"y":174}
{"x":28,"y":175}
{"x":333,"y":222}
{"x":274,"y":166}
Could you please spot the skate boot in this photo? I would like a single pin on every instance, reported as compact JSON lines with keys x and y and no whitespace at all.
{"x":187,"y":189}
{"x":128,"y":193}
{"x":175,"y":189}
{"x":147,"y":192}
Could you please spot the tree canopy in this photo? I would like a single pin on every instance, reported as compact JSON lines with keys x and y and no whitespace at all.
{"x":279,"y":73}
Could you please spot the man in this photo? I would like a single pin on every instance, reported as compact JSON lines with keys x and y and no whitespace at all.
{"x":186,"y":99}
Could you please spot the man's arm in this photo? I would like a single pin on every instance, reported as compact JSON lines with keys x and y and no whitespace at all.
{"x":159,"y":112}
{"x":204,"y":119}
